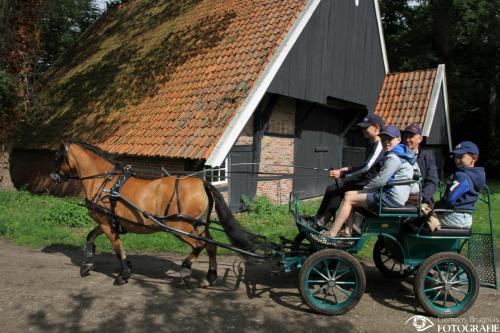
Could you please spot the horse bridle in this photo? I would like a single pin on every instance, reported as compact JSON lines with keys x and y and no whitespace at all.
{"x":59,"y":177}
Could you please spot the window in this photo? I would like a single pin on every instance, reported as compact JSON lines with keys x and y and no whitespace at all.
{"x":217,"y":175}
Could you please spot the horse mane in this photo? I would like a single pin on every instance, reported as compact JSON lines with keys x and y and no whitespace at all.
{"x":98,"y":151}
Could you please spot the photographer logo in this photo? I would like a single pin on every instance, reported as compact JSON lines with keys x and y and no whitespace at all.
{"x":420,"y":323}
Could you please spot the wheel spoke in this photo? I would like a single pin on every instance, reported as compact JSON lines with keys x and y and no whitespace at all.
{"x":436,"y":296}
{"x":335,"y":296}
{"x":445,"y":297}
{"x":386,"y":260}
{"x":460,"y":281}
{"x":439,"y":273}
{"x":342,"y":273}
{"x":456,"y":274}
{"x":328,"y":269}
{"x":319,"y":290}
{"x":394,"y":264}
{"x":335,"y":276}
{"x":431,"y":289}
{"x":343,"y":291}
{"x":460,"y":291}
{"x":322,"y":275}
{"x":453,"y":298}
{"x":316,"y":281}
{"x":448,"y":271}
{"x":433,"y":279}
{"x":346,"y":282}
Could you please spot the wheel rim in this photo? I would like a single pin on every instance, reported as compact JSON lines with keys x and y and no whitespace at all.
{"x":331,"y":283}
{"x":448,"y":286}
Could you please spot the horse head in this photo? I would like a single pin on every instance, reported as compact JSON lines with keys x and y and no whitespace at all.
{"x":63,"y":167}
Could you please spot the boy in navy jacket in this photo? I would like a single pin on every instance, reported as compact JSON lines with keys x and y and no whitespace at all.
{"x":464,"y":187}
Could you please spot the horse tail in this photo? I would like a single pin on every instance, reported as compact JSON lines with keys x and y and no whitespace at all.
{"x":237,"y":235}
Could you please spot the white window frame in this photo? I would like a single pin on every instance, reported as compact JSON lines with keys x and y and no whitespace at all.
{"x":214,"y":173}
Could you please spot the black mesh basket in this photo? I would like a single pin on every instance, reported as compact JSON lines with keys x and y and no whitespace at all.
{"x":481,"y":252}
{"x":320,"y":241}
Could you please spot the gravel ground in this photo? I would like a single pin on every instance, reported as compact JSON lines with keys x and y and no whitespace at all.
{"x":41,"y":291}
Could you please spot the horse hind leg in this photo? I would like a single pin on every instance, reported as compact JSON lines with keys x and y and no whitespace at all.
{"x":88,"y":264}
{"x":212,"y":261}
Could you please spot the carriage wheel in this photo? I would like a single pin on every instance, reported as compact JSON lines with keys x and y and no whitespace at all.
{"x":331,"y":282}
{"x":446,"y":285}
{"x":387,"y":262}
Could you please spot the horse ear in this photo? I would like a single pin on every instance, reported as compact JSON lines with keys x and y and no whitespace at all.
{"x":66,"y":145}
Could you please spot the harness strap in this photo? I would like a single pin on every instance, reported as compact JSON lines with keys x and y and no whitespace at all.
{"x":196,"y":222}
{"x":115,"y":189}
{"x":175,"y":192}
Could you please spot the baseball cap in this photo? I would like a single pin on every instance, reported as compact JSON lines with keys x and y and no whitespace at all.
{"x":413,"y":129}
{"x":390,"y":130}
{"x":371,"y":119}
{"x":465,"y":147}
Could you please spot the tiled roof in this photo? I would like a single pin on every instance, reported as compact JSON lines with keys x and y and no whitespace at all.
{"x":404,"y":97}
{"x":160,"y":78}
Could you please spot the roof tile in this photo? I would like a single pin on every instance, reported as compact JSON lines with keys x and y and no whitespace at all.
{"x":404,"y":97}
{"x":161,"y":77}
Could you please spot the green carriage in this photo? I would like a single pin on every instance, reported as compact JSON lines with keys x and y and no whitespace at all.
{"x":449,"y":264}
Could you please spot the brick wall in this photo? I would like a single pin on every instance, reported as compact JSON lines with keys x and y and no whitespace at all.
{"x":246,"y":136}
{"x":278,"y":148}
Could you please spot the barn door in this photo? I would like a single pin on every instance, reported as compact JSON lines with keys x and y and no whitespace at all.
{"x":317,"y":145}
{"x":241,"y":180}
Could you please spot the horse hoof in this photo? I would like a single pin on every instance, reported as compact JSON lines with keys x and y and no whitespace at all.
{"x":212,"y":277}
{"x":204,"y":283}
{"x":85,"y":269}
{"x":185,"y":272}
{"x":119,"y":281}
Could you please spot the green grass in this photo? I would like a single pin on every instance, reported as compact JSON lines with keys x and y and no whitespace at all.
{"x":42,"y":220}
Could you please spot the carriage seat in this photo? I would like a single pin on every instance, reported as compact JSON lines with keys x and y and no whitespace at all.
{"x":407,"y":209}
{"x":411,"y":206}
{"x":444,"y":231}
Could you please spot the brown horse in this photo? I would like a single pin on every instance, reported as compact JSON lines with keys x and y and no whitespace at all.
{"x":187,"y":200}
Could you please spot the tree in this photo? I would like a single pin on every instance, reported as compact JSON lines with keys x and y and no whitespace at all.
{"x":464,"y":35}
{"x":62,"y":23}
{"x":19,"y":45}
{"x":33,"y":34}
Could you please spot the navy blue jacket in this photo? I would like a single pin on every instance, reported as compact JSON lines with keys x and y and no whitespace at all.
{"x":463,"y":189}
{"x":373,"y":161}
{"x":428,"y":169}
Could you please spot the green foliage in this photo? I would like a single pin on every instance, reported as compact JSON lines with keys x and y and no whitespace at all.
{"x":62,"y":23}
{"x":8,"y":97}
{"x":69,"y":213}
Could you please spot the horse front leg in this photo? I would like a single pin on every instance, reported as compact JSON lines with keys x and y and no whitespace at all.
{"x":87,"y":264}
{"x":197,"y":247}
{"x":125,"y":265}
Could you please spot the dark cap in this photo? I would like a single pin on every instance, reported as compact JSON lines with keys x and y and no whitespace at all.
{"x":390,"y":130}
{"x":465,"y":147}
{"x":371,"y":119}
{"x":413,"y":129}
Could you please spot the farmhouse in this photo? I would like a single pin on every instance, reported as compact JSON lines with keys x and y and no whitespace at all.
{"x":233,"y":87}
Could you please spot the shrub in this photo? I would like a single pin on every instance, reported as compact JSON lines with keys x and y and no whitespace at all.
{"x":67,"y":213}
